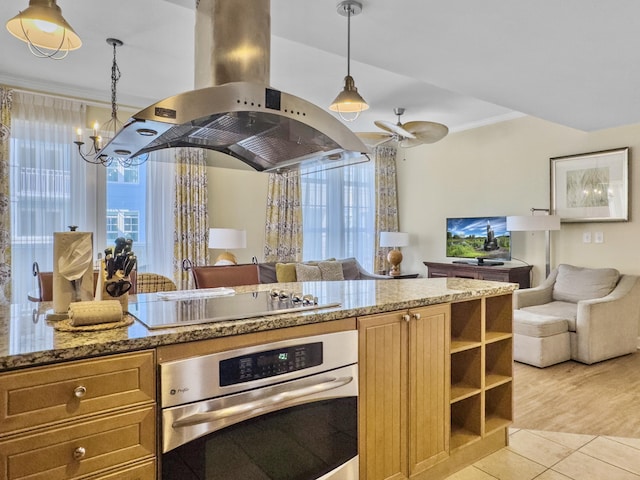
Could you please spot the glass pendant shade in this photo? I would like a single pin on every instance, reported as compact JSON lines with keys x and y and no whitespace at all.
{"x":42,"y":26}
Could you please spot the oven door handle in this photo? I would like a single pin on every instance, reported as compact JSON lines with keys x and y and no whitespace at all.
{"x":261,"y":403}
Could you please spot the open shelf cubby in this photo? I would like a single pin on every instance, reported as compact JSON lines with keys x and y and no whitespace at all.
{"x":466,"y":325}
{"x":498,"y":362}
{"x":466,"y":373}
{"x":498,"y":317}
{"x":466,"y":423}
{"x":498,"y":409}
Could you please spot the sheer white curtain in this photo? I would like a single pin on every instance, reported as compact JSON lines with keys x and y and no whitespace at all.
{"x":160,"y":223}
{"x":338,"y":208}
{"x":50,"y":185}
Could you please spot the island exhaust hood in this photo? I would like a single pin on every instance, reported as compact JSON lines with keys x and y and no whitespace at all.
{"x":237,"y":112}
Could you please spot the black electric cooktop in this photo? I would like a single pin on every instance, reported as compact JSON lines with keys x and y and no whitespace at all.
{"x":181,"y":309}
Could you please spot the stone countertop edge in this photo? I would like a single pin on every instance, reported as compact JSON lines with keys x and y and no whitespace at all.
{"x":73,"y":346}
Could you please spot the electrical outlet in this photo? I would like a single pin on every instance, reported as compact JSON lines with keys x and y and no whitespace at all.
{"x":586,"y":237}
{"x":599,"y":237}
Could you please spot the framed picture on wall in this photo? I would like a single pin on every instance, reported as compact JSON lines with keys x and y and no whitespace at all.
{"x":591,"y":187}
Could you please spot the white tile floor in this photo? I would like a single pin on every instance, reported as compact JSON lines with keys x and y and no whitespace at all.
{"x":539,"y":455}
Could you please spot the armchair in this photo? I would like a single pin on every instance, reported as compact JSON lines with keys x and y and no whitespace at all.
{"x":596,"y":310}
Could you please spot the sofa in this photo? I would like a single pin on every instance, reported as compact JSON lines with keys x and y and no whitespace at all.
{"x":342,"y":269}
{"x":211,"y":276}
{"x":583,"y":314}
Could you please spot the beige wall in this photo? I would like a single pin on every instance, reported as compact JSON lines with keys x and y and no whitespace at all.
{"x":237,"y":199}
{"x":503,"y":169}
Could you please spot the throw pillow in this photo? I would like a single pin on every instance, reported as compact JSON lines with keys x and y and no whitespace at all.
{"x":308,"y":273}
{"x":576,"y":283}
{"x":331,"y":270}
{"x":286,"y":272}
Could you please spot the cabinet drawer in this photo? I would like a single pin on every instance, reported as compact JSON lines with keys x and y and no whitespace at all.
{"x":145,"y":471}
{"x":107,"y":443}
{"x":61,"y":392}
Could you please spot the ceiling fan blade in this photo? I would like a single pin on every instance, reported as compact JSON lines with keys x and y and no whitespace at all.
{"x":373,"y":139}
{"x":427,"y":132}
{"x":393,"y":128}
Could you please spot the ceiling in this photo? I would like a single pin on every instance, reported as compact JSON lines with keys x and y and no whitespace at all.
{"x":463,"y":63}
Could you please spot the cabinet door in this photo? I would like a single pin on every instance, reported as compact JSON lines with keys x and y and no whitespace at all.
{"x":383,"y":397}
{"x":428,"y":386}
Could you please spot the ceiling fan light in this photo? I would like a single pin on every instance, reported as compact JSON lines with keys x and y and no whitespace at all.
{"x":42,"y":25}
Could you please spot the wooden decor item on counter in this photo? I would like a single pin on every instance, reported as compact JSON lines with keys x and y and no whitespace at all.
{"x":115,"y":288}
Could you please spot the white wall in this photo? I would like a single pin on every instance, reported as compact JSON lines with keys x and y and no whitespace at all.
{"x":503,"y":169}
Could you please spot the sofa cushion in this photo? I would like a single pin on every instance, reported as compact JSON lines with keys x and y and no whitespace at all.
{"x":575,"y":283}
{"x":286,"y":272}
{"x":267,"y":272}
{"x":308,"y":273}
{"x":331,"y":270}
{"x":566,"y":310}
{"x":537,"y":325}
{"x":350,"y":269}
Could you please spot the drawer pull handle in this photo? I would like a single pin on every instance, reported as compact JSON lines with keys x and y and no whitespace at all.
{"x":79,"y":453}
{"x":406,"y":317}
{"x":416,"y":316}
{"x":80,"y":391}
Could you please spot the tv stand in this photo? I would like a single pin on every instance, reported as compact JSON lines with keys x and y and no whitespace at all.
{"x":480,"y":262}
{"x":498,"y":273}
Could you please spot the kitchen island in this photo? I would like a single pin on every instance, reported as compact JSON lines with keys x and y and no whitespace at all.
{"x":459,"y":327}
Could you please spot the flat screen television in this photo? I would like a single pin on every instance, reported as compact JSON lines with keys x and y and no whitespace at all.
{"x":479,"y":240}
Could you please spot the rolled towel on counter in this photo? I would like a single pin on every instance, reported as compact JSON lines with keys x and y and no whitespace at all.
{"x":94,"y":312}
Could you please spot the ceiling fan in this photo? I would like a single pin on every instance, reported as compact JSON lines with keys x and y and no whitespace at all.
{"x":406,"y":135}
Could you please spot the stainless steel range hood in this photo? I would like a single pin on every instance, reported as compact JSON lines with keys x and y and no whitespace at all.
{"x":240,"y":115}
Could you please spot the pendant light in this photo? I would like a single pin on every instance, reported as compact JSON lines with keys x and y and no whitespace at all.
{"x":110,"y":128}
{"x":349,"y":103}
{"x":45,"y":30}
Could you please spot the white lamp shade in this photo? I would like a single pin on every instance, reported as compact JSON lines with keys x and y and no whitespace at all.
{"x":532,"y":223}
{"x":227,"y":238}
{"x":394,"y":239}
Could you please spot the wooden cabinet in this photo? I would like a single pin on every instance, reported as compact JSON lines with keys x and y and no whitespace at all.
{"x":435,"y":388}
{"x":403,"y":392}
{"x":498,"y":273}
{"x":77,"y":419}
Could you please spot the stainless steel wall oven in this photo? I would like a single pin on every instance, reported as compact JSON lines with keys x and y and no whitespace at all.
{"x":282,"y":411}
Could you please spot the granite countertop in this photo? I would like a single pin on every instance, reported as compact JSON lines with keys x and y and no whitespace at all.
{"x":28,"y":339}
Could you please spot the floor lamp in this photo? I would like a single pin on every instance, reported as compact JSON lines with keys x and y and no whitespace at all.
{"x":534,"y":223}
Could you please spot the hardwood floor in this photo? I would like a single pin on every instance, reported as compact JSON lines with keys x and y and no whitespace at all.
{"x":599,"y":399}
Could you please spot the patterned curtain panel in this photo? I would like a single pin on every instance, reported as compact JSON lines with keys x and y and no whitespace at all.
{"x":5,"y":213}
{"x":191,"y":216}
{"x":283,"y":229}
{"x":386,"y":200}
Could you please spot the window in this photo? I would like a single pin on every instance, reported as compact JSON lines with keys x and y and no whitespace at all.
{"x":123,"y":223}
{"x":338,"y":214}
{"x":51,"y":189}
{"x":117,"y":173}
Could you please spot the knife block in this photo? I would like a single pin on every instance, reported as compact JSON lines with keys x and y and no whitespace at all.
{"x":101,"y":288}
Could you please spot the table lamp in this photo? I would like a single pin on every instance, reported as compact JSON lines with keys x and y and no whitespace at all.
{"x":533,"y":223}
{"x":394,"y":240}
{"x":227,"y":238}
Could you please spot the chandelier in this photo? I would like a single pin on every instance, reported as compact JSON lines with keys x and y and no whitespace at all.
{"x":110,"y":128}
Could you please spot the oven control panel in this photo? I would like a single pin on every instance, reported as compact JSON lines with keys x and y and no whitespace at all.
{"x":269,"y":363}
